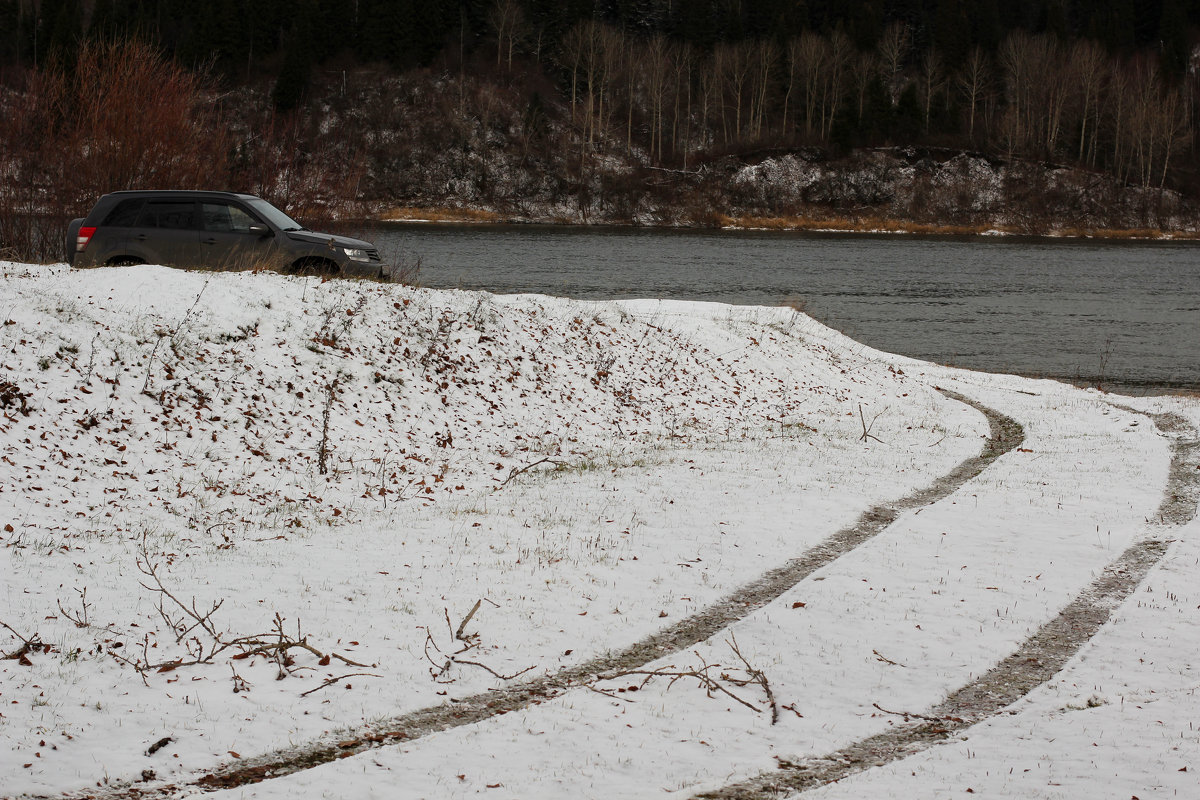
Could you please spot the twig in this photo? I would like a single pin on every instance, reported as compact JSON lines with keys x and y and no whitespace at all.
{"x":757,"y":676}
{"x":908,"y":714}
{"x":191,"y":308}
{"x":331,"y":681}
{"x":91,"y":361}
{"x":518,"y":471}
{"x":80,"y":619}
{"x":706,"y":681}
{"x":150,"y":366}
{"x":710,"y":684}
{"x":240,"y":684}
{"x":275,"y":645}
{"x":489,"y":669}
{"x":887,"y":660}
{"x":273,"y":649}
{"x":439,"y":668}
{"x":27,"y":645}
{"x":442,"y":668}
{"x":607,"y":693}
{"x":459,"y":633}
{"x":323,"y":448}
{"x":866,"y":434}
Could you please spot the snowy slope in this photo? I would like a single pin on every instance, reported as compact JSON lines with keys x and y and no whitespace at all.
{"x":361,"y":465}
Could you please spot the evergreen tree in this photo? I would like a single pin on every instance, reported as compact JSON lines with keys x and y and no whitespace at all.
{"x":58,"y":32}
{"x":695,"y":22}
{"x":865,"y":26}
{"x":952,"y":33}
{"x":10,"y":41}
{"x":983,"y":19}
{"x":294,"y":75}
{"x":1112,"y":24}
{"x":907,"y":120}
{"x":1173,"y":36}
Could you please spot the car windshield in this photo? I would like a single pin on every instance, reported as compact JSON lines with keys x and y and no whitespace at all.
{"x":275,"y":216}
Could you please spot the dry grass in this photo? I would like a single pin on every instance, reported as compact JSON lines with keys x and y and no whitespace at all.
{"x":1125,"y":233}
{"x":412,"y":214}
{"x":865,"y":224}
{"x":854,"y":225}
{"x":891,"y":225}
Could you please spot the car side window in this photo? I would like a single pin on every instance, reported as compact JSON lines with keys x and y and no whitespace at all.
{"x":125,"y":215}
{"x":224,"y":217}
{"x":171,"y":214}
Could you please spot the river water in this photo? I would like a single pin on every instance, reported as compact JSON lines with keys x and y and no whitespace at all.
{"x":1122,"y":314}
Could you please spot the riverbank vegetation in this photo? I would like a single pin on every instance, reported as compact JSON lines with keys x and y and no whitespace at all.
{"x":1038,"y":116}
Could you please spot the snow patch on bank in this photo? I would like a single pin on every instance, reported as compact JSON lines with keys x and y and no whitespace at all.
{"x":369,"y":461}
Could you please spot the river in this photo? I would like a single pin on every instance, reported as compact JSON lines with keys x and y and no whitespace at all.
{"x":1125,"y":315}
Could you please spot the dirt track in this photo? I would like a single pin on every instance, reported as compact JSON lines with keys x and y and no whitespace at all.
{"x":1041,"y":656}
{"x":1005,"y":434}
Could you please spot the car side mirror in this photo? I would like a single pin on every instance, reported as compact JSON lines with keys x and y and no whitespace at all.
{"x":261,"y":230}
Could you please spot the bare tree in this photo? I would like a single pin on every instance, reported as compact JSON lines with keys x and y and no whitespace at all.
{"x":1155,"y":122}
{"x":683,"y":62}
{"x":1089,"y":69}
{"x":615,"y":74}
{"x":1117,"y":118}
{"x":733,"y":64}
{"x":808,"y":57}
{"x":893,"y":50}
{"x":931,"y":80}
{"x":655,"y":65}
{"x":864,"y":67}
{"x":1035,"y":89}
{"x":763,"y":56}
{"x":1172,"y":129}
{"x":507,"y":20}
{"x":579,"y":52}
{"x":974,"y":82}
{"x":588,"y":51}
{"x":841,"y":50}
{"x":711,"y":87}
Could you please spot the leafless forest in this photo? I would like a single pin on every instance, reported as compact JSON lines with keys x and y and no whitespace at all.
{"x":601,"y":122}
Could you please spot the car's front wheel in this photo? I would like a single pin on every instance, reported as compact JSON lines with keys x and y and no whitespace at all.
{"x":314,"y":266}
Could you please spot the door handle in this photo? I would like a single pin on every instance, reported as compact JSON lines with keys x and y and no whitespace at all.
{"x":208,"y":241}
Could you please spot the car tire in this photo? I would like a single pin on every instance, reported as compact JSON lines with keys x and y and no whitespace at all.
{"x":313,"y":266}
{"x":123,"y":261}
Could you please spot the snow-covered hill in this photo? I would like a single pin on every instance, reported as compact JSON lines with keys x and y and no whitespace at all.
{"x":241,"y":512}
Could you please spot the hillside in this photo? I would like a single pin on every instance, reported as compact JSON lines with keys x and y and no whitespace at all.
{"x":959,"y":116}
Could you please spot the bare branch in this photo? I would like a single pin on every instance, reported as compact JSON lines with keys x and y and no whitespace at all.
{"x":28,"y":645}
{"x":459,"y":633}
{"x":866,"y":429}
{"x":518,"y":471}
{"x":331,"y":681}
{"x":489,"y":669}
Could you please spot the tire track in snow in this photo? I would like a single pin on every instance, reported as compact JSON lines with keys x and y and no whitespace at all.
{"x":1042,"y":655}
{"x":1004,"y":435}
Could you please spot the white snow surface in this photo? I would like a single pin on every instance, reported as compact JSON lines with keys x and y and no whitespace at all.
{"x":365,"y":462}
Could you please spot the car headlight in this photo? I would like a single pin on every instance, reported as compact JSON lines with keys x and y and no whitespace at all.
{"x":355,"y":254}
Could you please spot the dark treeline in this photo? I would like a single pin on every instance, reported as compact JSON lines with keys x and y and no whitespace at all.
{"x":408,"y":33}
{"x":474,"y":91}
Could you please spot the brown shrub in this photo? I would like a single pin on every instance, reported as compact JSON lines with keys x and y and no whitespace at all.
{"x":122,"y":118}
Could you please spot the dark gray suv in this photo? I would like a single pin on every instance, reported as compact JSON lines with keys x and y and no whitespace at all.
{"x":213,"y":230}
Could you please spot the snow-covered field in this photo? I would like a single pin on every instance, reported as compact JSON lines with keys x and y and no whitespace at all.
{"x":244,"y":517}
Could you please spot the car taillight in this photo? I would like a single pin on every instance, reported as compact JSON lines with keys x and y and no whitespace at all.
{"x":82,"y":239}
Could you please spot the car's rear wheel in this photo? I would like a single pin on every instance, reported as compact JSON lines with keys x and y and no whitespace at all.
{"x":124,"y":261}
{"x":313,"y":266}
